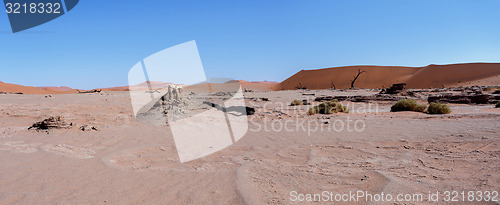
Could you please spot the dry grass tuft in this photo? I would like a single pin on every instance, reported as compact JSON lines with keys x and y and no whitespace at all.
{"x":408,"y":105}
{"x":296,"y":102}
{"x":438,"y":108}
{"x":329,"y":107}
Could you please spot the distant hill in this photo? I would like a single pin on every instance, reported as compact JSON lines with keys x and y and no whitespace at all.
{"x":13,"y":88}
{"x":431,"y":76}
{"x":229,"y":86}
{"x":155,"y":85}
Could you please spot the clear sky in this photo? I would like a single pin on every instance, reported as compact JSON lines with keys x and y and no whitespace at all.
{"x":96,"y":43}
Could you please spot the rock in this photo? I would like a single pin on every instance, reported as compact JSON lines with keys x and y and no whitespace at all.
{"x":51,"y":123}
{"x":222,"y":94}
{"x":378,"y":97}
{"x":394,"y":89}
{"x":90,"y":91}
{"x":88,"y":128}
{"x":480,"y":99}
{"x":465,"y":98}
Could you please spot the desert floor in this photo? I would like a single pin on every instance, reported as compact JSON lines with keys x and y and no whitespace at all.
{"x":126,"y":162}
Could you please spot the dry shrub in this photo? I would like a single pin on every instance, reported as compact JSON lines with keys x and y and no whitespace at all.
{"x":329,"y":107}
{"x":498,"y":104}
{"x":438,"y":108}
{"x":420,"y":108}
{"x":408,"y":105}
{"x":296,"y":102}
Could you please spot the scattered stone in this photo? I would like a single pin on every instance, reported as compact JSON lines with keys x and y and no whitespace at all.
{"x":88,"y":128}
{"x":11,"y":93}
{"x":464,"y":98}
{"x":258,"y":99}
{"x":378,"y":97}
{"x":90,"y":91}
{"x":222,"y":94}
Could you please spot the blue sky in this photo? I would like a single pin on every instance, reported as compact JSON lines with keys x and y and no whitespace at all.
{"x":98,"y":42}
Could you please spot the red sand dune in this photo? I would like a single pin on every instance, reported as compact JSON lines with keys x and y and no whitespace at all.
{"x":431,"y":76}
{"x":453,"y":75}
{"x":233,"y":85}
{"x":155,"y":85}
{"x":13,"y":88}
{"x":60,"y":89}
{"x":260,"y":85}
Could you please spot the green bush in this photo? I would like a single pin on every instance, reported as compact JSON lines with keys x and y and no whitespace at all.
{"x":408,"y":105}
{"x":296,"y":102}
{"x":498,"y":104}
{"x":329,"y":107}
{"x":438,"y":108}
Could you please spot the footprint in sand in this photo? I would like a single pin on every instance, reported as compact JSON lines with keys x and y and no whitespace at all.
{"x":20,"y":147}
{"x":70,"y":151}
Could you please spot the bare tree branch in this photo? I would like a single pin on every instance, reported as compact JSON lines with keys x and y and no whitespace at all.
{"x":356,"y":77}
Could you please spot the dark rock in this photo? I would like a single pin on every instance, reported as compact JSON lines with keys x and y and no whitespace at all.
{"x":88,"y":128}
{"x":51,"y":123}
{"x":466,"y":98}
{"x":394,"y":89}
{"x":378,"y":97}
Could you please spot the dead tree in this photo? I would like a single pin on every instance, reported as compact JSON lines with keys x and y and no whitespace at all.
{"x":300,"y":87}
{"x":356,"y":77}
{"x":333,"y":85}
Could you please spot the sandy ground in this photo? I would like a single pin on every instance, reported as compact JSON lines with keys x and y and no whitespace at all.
{"x":126,"y":162}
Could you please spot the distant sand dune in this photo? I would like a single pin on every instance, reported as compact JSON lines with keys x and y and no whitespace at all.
{"x":233,"y":85}
{"x":453,"y":75}
{"x":13,"y":88}
{"x":431,"y":76}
